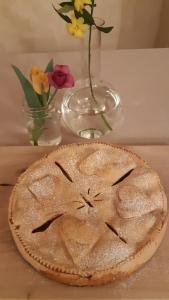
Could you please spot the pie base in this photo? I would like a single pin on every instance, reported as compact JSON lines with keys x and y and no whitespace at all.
{"x":119,"y":271}
{"x":122,"y":270}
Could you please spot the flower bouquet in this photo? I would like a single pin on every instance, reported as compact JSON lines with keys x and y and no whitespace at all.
{"x":39,"y":93}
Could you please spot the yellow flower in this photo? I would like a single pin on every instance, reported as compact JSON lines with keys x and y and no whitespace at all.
{"x":77,"y":27}
{"x":39,"y":80}
{"x":35,"y":71}
{"x":79,"y":4}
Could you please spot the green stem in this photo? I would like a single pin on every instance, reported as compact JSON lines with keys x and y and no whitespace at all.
{"x":52,"y":96}
{"x":39,"y":118}
{"x":89,"y":58}
{"x":89,"y":67}
{"x":38,"y":126}
{"x":35,"y":143}
{"x":44,"y":99}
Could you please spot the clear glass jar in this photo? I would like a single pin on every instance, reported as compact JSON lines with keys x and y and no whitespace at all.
{"x":91,"y":108}
{"x":43,"y":125}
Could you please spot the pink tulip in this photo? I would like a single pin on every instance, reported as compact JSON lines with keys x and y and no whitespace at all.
{"x":61,"y":78}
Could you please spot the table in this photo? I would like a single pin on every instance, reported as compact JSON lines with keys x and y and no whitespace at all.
{"x":140,"y":76}
{"x":142,"y":79}
{"x":18,"y":280}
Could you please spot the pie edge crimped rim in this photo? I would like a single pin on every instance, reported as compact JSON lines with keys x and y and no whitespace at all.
{"x":60,"y":274}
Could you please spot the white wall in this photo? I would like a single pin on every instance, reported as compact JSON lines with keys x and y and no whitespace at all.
{"x":33,"y":26}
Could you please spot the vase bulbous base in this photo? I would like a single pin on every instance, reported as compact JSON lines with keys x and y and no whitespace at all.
{"x":91,"y":116}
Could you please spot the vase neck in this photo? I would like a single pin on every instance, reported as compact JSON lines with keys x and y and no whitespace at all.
{"x":95,"y":52}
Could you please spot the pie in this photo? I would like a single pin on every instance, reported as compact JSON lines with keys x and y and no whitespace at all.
{"x":88,"y":214}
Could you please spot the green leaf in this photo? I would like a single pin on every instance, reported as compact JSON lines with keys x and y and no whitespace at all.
{"x":64,"y":17}
{"x":66,"y":3}
{"x":40,"y":99}
{"x":50,"y":66}
{"x":78,"y":14}
{"x":44,"y":99}
{"x":30,"y":94}
{"x":105,"y":29}
{"x":65,"y":9}
{"x":88,"y":19}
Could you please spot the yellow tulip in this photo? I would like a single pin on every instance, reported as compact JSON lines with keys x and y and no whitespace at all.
{"x":77,"y":27}
{"x":39,"y":80}
{"x":80,"y":4}
{"x":35,"y":71}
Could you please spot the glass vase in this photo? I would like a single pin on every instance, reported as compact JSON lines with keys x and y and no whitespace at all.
{"x":95,"y":53}
{"x":43,"y":125}
{"x":90,"y":108}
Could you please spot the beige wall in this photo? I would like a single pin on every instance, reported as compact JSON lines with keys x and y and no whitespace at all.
{"x":140,"y":20}
{"x":33,"y":26}
{"x":163,"y":34}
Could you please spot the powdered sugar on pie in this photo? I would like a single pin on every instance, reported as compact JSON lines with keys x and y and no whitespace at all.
{"x":88,"y":214}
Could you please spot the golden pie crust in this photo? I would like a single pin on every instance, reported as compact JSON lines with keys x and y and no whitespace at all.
{"x":88,"y":214}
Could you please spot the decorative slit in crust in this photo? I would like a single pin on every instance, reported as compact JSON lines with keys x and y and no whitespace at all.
{"x":98,"y":200}
{"x":81,"y":207}
{"x":115,"y":232}
{"x":123,"y":177}
{"x":64,"y":172}
{"x":87,"y":201}
{"x":97,"y":195}
{"x":45,"y":226}
{"x":34,"y":195}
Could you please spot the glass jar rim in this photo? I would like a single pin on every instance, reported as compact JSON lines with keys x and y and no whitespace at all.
{"x":43,"y":109}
